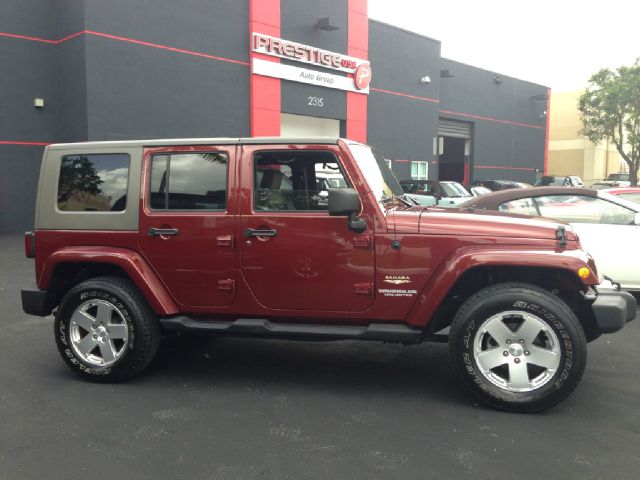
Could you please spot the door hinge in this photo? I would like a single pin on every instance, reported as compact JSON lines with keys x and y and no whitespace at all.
{"x":225,"y":241}
{"x":363,"y":288}
{"x":227,"y":285}
{"x":362,"y":241}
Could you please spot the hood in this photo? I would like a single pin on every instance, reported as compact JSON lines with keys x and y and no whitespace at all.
{"x":466,"y":222}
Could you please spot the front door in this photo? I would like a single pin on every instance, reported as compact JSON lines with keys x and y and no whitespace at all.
{"x":187,"y":223}
{"x":294,"y":255}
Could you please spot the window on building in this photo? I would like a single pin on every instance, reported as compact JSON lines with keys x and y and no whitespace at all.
{"x":93,"y":183}
{"x":295,"y":180}
{"x":419,"y":170}
{"x":189,"y":181}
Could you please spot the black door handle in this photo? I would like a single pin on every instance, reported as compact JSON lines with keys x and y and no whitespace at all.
{"x":156,"y":232}
{"x":250,"y":232}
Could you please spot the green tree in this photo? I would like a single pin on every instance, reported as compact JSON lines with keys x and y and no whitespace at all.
{"x":78,"y":176}
{"x":610,"y":108}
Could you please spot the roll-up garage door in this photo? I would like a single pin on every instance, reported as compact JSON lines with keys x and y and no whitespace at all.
{"x":303,"y":126}
{"x":453,"y":128}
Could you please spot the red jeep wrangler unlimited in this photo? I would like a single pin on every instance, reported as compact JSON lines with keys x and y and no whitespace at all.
{"x":232,"y":236}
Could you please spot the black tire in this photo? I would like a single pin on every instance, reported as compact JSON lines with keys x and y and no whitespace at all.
{"x":131,"y":317}
{"x":474,"y":350}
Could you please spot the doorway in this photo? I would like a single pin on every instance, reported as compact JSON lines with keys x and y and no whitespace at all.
{"x":454,"y":150}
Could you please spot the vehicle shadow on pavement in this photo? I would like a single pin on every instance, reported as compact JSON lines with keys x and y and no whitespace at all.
{"x":339,"y":366}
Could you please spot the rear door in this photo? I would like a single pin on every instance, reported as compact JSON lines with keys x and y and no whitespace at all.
{"x":294,"y":255}
{"x":187,"y":222}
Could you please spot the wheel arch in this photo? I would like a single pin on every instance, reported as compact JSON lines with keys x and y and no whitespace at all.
{"x":71,"y":265}
{"x":458,"y":280}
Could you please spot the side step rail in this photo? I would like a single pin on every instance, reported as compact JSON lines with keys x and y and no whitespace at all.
{"x":259,"y":327}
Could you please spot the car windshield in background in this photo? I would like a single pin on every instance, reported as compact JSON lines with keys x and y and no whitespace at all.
{"x":376,"y":172}
{"x":551,"y":182}
{"x":479,"y":190}
{"x":618,"y":177}
{"x":602,"y":186}
{"x":454,"y":189}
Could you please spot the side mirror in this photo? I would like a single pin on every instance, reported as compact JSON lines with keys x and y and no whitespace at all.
{"x":636,"y":219}
{"x":345,"y":201}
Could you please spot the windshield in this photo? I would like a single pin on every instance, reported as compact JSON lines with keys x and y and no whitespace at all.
{"x":618,"y":176}
{"x":377,"y":173}
{"x":454,"y":189}
{"x":551,"y":182}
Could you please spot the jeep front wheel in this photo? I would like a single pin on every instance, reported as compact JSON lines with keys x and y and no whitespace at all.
{"x":518,"y":347}
{"x":105,"y":331}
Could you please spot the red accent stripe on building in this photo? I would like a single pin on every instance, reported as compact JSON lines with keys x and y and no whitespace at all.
{"x":164,"y":47}
{"x":400,"y":94}
{"x":357,"y":46}
{"x":127,"y":40}
{"x":401,"y":161}
{"x":31,"y":144}
{"x":496,"y":167}
{"x":480,"y":117}
{"x":27,"y":37}
{"x":546,"y":138}
{"x":265,"y":93}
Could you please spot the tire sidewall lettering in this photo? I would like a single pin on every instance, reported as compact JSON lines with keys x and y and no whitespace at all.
{"x":566,"y":350}
{"x":63,"y":329}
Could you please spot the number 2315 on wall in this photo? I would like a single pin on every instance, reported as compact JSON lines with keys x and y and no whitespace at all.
{"x":315,"y":101}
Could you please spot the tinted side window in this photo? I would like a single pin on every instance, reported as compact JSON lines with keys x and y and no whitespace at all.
{"x":523,"y":206}
{"x":189,"y":181}
{"x":295,"y":180}
{"x":634,"y":197}
{"x":93,"y":183}
{"x":581,"y":209}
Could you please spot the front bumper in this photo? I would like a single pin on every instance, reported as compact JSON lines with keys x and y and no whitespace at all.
{"x":36,"y":302}
{"x":613,"y":307}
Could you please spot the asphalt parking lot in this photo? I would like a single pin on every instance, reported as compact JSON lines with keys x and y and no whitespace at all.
{"x":242,"y":409}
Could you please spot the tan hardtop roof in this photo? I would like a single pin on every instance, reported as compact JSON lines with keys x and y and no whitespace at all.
{"x":169,"y":142}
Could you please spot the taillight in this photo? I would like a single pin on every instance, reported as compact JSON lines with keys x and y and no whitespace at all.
{"x":30,"y":244}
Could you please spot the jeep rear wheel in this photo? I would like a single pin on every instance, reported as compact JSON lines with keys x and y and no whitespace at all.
{"x":518,"y":347}
{"x":105,"y":331}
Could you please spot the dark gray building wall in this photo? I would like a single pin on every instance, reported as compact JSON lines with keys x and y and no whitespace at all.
{"x":70,"y":72}
{"x":138,"y":91}
{"x":216,"y":27}
{"x":403,"y":126}
{"x":298,"y":18}
{"x":135,"y":91}
{"x":512,"y":132}
{"x":28,"y":72}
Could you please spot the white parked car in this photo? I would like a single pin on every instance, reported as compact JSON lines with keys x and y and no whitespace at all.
{"x":608,"y":226}
{"x":445,"y":192}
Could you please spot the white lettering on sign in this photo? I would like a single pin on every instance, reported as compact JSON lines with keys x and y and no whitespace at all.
{"x":278,"y":47}
{"x":304,"y":75}
{"x":358,"y":68}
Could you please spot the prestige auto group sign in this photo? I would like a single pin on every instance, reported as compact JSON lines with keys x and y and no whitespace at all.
{"x":359,"y":69}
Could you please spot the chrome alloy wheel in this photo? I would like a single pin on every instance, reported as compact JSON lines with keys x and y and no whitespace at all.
{"x":516,"y":351}
{"x":98,"y":333}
